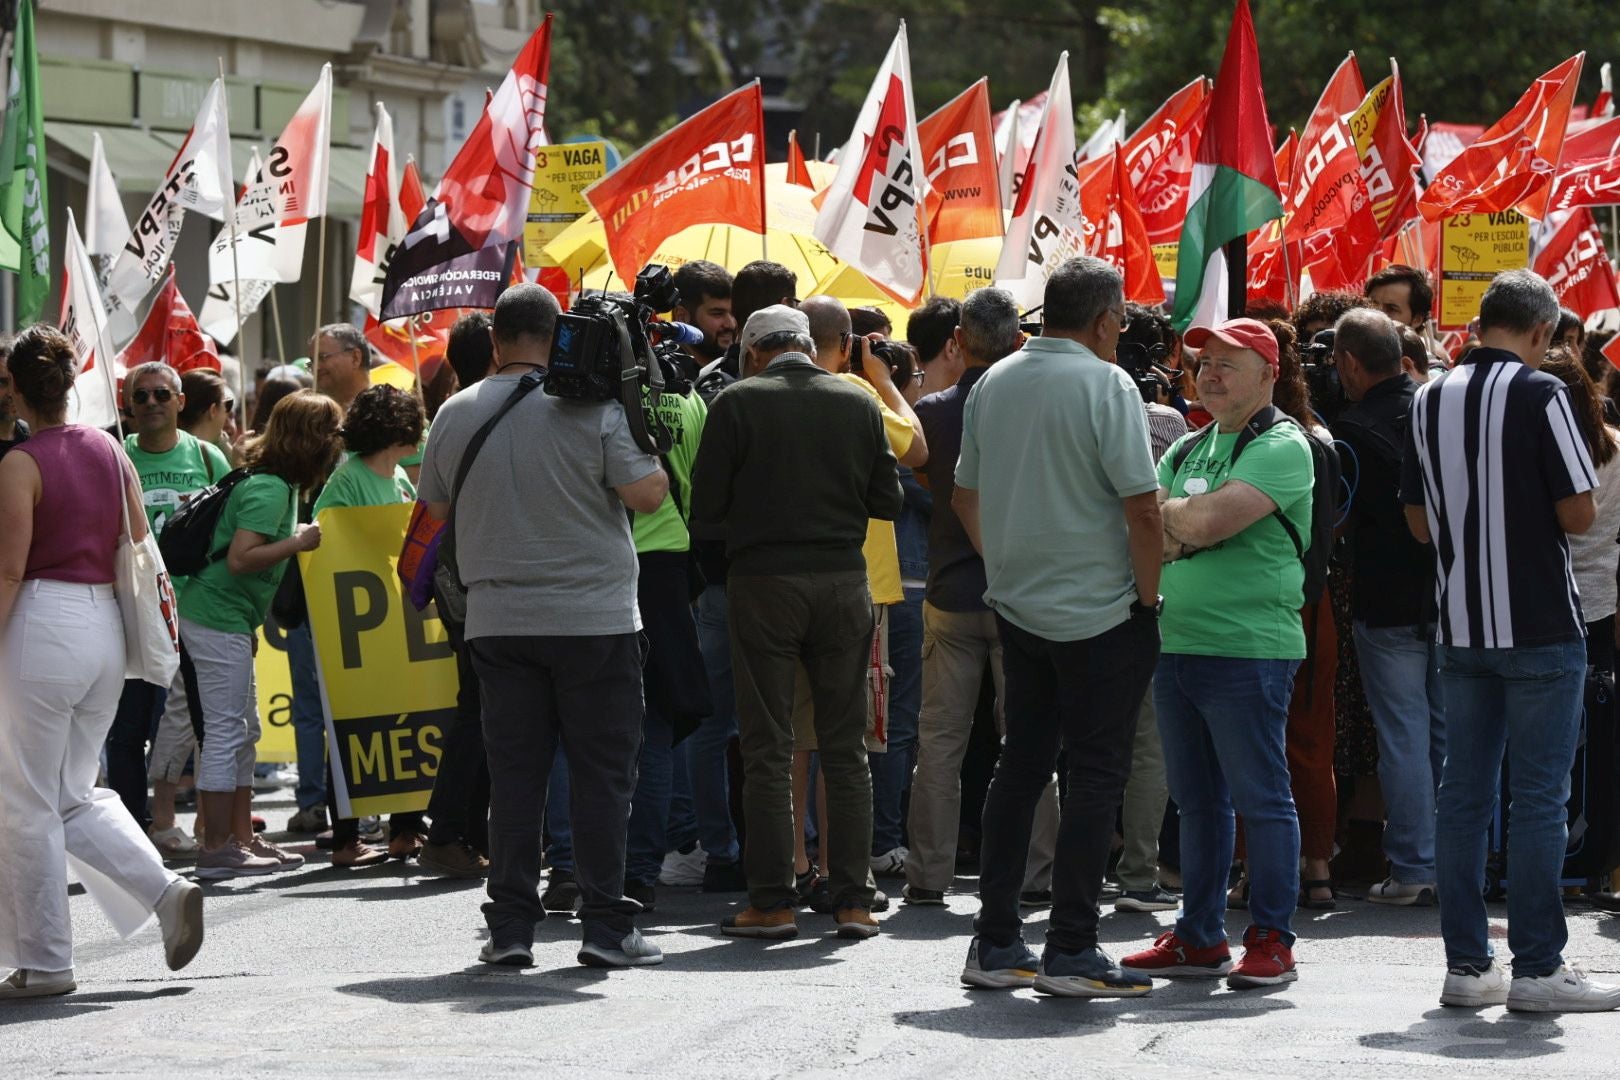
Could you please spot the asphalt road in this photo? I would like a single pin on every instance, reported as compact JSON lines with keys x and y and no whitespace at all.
{"x":327,"y":972}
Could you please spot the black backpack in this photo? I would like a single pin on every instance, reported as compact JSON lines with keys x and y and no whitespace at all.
{"x":187,"y":542}
{"x":1324,"y":492}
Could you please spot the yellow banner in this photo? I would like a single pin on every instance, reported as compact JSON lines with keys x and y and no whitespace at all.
{"x":1164,"y":257}
{"x":388,"y":676}
{"x":1474,"y":248}
{"x":561,"y":173}
{"x":274,"y":679}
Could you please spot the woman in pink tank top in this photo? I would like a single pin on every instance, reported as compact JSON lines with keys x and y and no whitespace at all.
{"x":61,"y":673}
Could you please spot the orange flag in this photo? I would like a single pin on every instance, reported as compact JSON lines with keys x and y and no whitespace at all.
{"x":797,"y":171}
{"x":1273,"y":265}
{"x":709,"y":169}
{"x":1514,"y":162}
{"x":1113,"y":226}
{"x":1162,"y":191}
{"x":1328,"y":209}
{"x":1160,"y":132}
{"x":958,"y":150}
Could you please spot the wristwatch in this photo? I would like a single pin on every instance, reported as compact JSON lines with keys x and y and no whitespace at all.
{"x":1139,"y":609}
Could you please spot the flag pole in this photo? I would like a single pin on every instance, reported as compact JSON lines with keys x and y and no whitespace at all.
{"x":320,"y":289}
{"x":275,"y":314}
{"x":236,"y":272}
{"x":1237,"y":276}
{"x":416,"y":360}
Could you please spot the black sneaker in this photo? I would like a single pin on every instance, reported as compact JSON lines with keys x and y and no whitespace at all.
{"x":562,"y":893}
{"x":1089,"y":973}
{"x":724,"y":877}
{"x":1154,"y":899}
{"x":643,"y":894}
{"x":916,"y":896}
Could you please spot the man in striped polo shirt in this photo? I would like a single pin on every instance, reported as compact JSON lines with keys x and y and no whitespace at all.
{"x":1495,"y":474}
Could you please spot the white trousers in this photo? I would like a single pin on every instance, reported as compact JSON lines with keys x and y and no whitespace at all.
{"x":229,"y":704}
{"x":61,"y":673}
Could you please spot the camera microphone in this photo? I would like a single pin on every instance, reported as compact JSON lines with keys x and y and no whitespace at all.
{"x":678,"y":332}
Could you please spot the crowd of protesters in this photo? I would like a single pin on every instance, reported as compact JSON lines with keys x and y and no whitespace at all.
{"x":1200,"y":591}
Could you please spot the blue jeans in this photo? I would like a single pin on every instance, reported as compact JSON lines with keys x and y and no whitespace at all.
{"x":706,"y":748}
{"x":1400,"y":670}
{"x":1222,"y":721}
{"x":559,"y":826}
{"x":683,"y":828}
{"x":891,"y":770}
{"x":1525,"y":701}
{"x":648,"y":835}
{"x":309,"y":724}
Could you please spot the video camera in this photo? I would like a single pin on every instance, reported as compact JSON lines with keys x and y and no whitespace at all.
{"x":1322,"y":376}
{"x":1144,"y":364}
{"x":612,"y":348}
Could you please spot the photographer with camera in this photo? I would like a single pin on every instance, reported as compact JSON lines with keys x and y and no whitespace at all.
{"x":794,"y":462}
{"x":544,"y":546}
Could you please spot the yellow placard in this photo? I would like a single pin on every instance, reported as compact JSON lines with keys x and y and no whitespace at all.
{"x":561,"y":173}
{"x":1164,"y":257}
{"x":274,"y":679}
{"x":1474,"y":248}
{"x":388,"y":675}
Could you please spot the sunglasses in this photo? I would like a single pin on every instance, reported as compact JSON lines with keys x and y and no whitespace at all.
{"x":161,"y":395}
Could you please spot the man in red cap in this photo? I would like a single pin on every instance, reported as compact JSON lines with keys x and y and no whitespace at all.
{"x":1234,"y":496}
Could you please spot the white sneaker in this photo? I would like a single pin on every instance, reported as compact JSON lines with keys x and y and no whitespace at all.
{"x":1471,"y":988}
{"x":684,"y":868}
{"x":892,"y":861}
{"x":1401,"y":894}
{"x":27,"y":983}
{"x":1565,"y":990}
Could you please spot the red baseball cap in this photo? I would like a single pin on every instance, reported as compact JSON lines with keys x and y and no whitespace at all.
{"x":1239,"y":333}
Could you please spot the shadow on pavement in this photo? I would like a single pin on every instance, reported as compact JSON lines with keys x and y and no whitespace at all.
{"x":486,"y":989}
{"x":1468,"y":1034}
{"x":55,"y":1008}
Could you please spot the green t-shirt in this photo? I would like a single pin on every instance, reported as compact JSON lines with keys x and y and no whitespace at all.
{"x":1242,"y":597}
{"x":169,"y":480}
{"x":416,"y":458}
{"x":665,"y":528}
{"x":236,"y":603}
{"x":355,"y":484}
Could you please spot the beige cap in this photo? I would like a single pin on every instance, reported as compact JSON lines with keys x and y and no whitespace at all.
{"x":776,"y":319}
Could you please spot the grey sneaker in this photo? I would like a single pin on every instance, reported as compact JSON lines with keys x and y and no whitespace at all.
{"x":1089,"y":973}
{"x":180,"y":913}
{"x":264,"y":849}
{"x":1154,"y":899}
{"x":1471,"y":987}
{"x":1400,"y":894}
{"x":1565,"y":990}
{"x":516,"y":954}
{"x":312,"y":820}
{"x":999,"y":967}
{"x":233,"y":860}
{"x":605,"y":947}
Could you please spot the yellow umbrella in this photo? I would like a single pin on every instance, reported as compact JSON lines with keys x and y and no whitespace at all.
{"x":960,"y":266}
{"x":855,"y":289}
{"x":581,"y":249}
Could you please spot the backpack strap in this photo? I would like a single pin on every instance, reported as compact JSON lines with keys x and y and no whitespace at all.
{"x":1260,"y":423}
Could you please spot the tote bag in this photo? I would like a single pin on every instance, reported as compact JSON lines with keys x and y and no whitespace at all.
{"x":146,"y":603}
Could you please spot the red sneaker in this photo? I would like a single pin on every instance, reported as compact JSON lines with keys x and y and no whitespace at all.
{"x":1171,"y":957}
{"x":1266,"y":961}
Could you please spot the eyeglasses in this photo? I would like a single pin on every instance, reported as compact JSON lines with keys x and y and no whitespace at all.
{"x":919,"y":374}
{"x":335,"y":352}
{"x":1124,"y":319}
{"x":161,"y":395}
{"x":230,"y":404}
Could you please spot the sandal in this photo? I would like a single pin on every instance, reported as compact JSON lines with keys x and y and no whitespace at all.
{"x":1311,"y":903}
{"x":1237,"y":897}
{"x":174,"y":843}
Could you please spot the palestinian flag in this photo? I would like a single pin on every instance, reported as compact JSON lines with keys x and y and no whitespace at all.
{"x":1234,"y":182}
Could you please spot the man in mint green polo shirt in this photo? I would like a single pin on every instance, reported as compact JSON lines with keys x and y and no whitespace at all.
{"x":1233,"y":588}
{"x":1055,"y":487}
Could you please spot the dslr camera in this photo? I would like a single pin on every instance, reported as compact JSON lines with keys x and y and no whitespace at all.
{"x":607,"y":348}
{"x":896,"y":355}
{"x":1322,"y":376}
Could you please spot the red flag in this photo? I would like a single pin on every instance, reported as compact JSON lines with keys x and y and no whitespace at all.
{"x":1329,"y":213}
{"x":382,"y":220}
{"x":706,"y":170}
{"x":170,"y":335}
{"x":412,"y":196}
{"x":1577,"y":266}
{"x":1590,"y":173}
{"x":1274,"y":267}
{"x":1513,"y":163}
{"x":1162,"y":191}
{"x":798,"y":172}
{"x":1113,"y":227}
{"x":964,"y":200}
{"x":1611,"y":351}
{"x":1389,"y":160}
{"x":454,"y":250}
{"x":1160,"y":132}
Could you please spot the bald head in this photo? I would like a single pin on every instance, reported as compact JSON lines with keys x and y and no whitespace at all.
{"x":829,"y":327}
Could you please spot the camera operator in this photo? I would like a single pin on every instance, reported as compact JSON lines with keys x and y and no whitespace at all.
{"x":546,"y":553}
{"x":794,"y":462}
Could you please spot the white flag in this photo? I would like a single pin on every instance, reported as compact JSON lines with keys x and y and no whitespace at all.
{"x":1047,"y":226}
{"x":382,"y":219}
{"x":1007,"y":151}
{"x":106,"y":226}
{"x":266,"y":253}
{"x":1103,"y":139}
{"x":198,"y":179}
{"x":873,"y":217}
{"x":84,"y":321}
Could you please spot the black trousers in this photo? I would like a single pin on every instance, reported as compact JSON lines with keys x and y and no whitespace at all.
{"x":134,"y":724}
{"x":459,"y":806}
{"x":1081,"y":697}
{"x":584,"y":694}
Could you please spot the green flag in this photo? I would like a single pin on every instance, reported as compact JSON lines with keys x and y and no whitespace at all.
{"x":25,"y":243}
